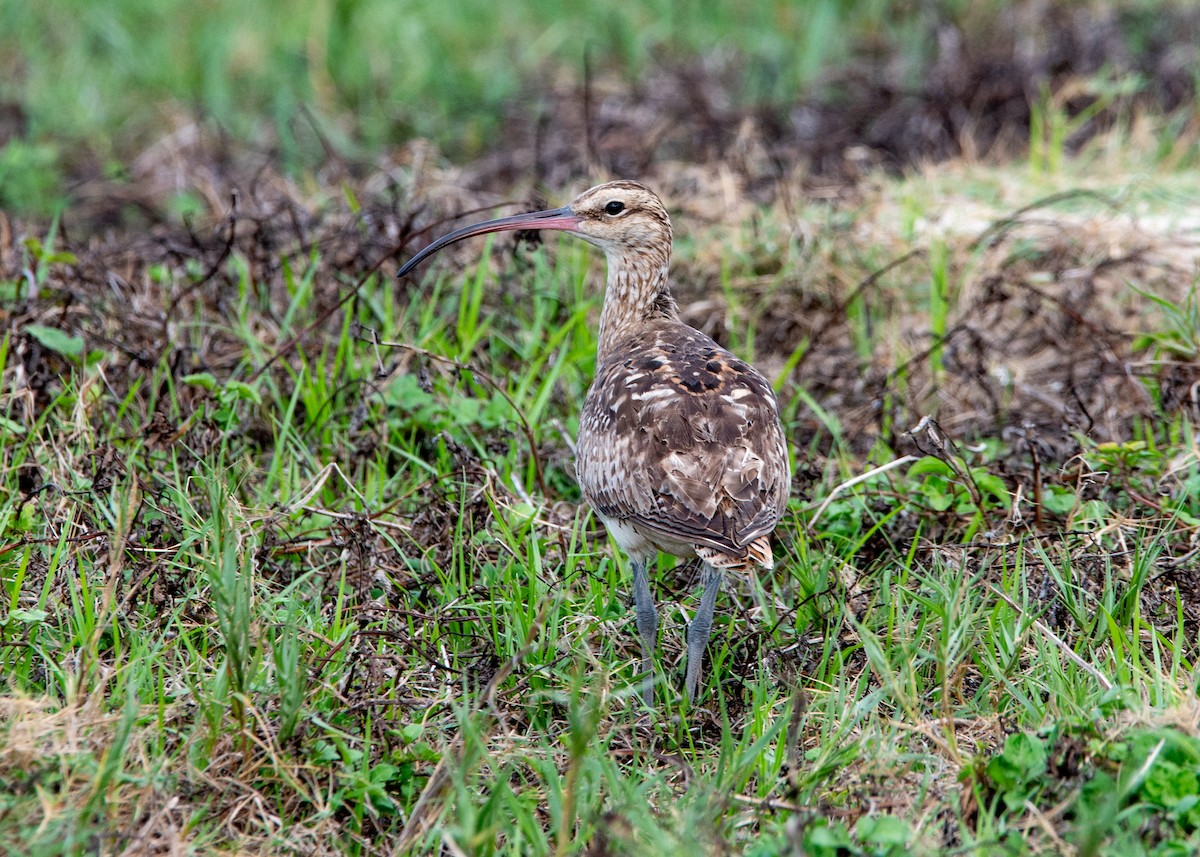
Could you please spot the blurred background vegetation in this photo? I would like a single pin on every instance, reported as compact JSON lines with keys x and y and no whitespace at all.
{"x":85,"y":86}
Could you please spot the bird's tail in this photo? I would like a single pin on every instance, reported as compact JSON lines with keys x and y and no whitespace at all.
{"x":758,"y":553}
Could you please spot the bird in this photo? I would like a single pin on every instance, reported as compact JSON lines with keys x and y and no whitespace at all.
{"x":680,"y":447}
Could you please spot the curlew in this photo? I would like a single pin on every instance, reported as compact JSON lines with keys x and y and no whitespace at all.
{"x":680,"y":445}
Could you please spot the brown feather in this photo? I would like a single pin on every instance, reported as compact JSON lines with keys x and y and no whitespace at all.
{"x":682,"y":440}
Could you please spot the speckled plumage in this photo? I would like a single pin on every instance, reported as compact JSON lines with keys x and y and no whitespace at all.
{"x":680,"y":445}
{"x":681,"y":441}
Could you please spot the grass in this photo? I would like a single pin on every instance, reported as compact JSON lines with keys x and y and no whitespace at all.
{"x":388,"y":64}
{"x":350,"y":602}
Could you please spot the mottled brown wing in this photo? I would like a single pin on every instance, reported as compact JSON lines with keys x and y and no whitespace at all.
{"x":682,"y":439}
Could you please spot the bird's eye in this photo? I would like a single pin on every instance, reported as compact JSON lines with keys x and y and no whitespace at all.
{"x":615,"y":207}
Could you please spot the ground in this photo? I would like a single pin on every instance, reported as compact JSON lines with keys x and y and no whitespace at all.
{"x":294,"y":560}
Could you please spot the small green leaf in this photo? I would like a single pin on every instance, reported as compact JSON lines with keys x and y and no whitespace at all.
{"x":824,"y":838}
{"x":1058,"y":501}
{"x":325,"y":752}
{"x":56,"y":340}
{"x":1169,"y":785}
{"x":28,"y":616}
{"x":883,"y":830}
{"x":1016,"y":770}
{"x":12,"y":427}
{"x":990,"y":484}
{"x":929,"y":464}
{"x":351,"y":199}
{"x":1096,"y":511}
{"x":205,"y":380}
{"x":38,"y":251}
{"x":242,"y":390}
{"x":767,"y":846}
{"x":940,"y":502}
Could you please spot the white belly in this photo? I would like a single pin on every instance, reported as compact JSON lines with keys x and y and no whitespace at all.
{"x":640,"y":544}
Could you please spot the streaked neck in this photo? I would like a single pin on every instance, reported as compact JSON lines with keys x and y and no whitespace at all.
{"x":636,"y":294}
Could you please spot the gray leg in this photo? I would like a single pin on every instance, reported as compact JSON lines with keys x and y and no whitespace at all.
{"x":647,"y":623}
{"x":700,"y":627}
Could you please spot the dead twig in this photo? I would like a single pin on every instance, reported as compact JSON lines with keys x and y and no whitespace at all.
{"x":995,"y":231}
{"x":230,"y":237}
{"x":850,"y":483}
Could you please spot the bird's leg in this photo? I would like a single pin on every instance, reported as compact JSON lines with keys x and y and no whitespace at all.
{"x":647,"y":622}
{"x":700,"y":627}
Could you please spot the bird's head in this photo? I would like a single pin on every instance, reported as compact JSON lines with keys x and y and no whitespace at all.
{"x":621,"y":217}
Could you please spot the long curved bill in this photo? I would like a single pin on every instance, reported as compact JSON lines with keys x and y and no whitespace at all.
{"x":561,"y":219}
